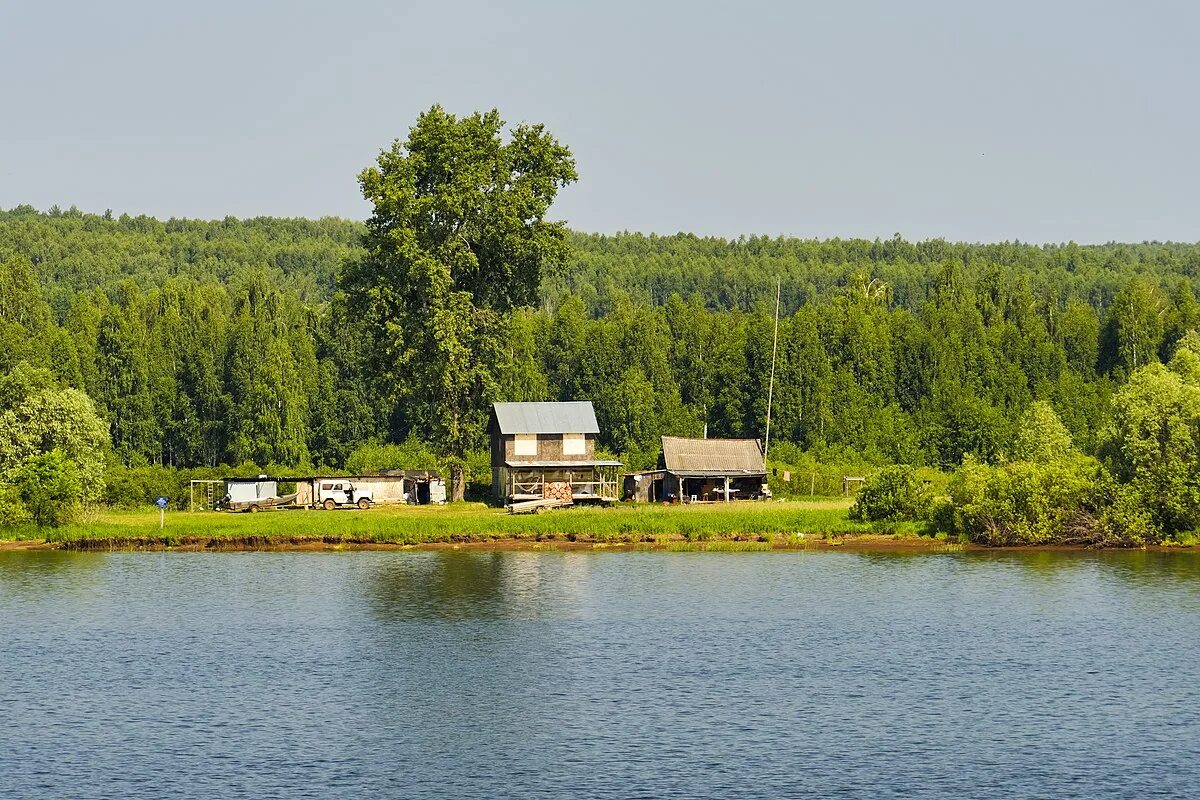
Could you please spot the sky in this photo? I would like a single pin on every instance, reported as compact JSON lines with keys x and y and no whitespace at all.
{"x":1032,"y":121}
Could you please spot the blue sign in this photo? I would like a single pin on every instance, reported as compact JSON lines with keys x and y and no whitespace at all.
{"x":161,"y":502}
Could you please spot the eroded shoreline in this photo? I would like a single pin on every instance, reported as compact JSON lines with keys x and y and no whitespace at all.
{"x":881,"y":543}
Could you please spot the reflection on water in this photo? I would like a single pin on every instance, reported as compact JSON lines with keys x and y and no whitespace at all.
{"x":456,"y":585}
{"x":516,"y":674}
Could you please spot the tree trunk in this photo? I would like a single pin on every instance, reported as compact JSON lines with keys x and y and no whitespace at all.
{"x":458,"y":481}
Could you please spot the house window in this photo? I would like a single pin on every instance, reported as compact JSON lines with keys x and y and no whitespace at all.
{"x":574,"y":444}
{"x":525,"y":444}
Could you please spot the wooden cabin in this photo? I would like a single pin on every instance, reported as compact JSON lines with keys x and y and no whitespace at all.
{"x":708,"y":470}
{"x":548,"y":450}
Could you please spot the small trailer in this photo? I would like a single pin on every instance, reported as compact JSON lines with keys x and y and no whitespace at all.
{"x":537,"y":506}
{"x":255,"y":494}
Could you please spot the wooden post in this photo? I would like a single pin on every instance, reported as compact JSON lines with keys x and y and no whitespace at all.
{"x":726,"y":488}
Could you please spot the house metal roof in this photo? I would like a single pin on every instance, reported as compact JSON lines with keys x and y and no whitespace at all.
{"x":557,"y":464}
{"x":713,"y":457}
{"x":574,"y":417}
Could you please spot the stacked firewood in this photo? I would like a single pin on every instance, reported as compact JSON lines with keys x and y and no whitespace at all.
{"x":557,"y":490}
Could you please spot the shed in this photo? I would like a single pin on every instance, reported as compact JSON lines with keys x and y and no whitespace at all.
{"x":388,"y":487}
{"x":699,"y":470}
{"x":644,"y":487}
{"x":548,"y":450}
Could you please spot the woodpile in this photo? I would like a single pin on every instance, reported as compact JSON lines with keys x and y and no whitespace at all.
{"x":557,"y":490}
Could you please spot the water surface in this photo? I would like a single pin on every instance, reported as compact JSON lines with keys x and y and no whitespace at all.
{"x":580,"y":674}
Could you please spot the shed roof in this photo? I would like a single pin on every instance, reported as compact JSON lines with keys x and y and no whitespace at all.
{"x":713,"y":456}
{"x":573,"y":417}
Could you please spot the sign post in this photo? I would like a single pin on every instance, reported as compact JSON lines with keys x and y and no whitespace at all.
{"x":162,"y":511}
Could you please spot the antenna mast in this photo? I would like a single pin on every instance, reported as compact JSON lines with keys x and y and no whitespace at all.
{"x":771,"y":385}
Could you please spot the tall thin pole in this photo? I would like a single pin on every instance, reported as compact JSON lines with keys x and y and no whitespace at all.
{"x":774,"y":350}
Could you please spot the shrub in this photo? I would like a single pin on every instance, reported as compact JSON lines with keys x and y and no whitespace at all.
{"x":50,"y":487}
{"x":1041,"y":436}
{"x":1029,"y":503}
{"x":941,"y":517}
{"x":1152,"y":449}
{"x":895,"y":493}
{"x":12,"y":510}
{"x":374,"y":457}
{"x":1126,"y":520}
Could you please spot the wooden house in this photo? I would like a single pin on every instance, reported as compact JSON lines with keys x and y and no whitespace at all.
{"x":548,"y":450}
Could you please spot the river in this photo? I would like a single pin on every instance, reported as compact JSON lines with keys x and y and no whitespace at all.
{"x":599,"y":674}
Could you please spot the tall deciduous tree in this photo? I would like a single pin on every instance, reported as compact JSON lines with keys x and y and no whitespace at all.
{"x":458,"y":238}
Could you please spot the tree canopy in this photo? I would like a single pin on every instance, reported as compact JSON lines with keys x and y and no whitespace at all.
{"x":457,"y":239}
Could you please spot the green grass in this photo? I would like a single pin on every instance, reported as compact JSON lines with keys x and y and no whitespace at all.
{"x":758,"y":523}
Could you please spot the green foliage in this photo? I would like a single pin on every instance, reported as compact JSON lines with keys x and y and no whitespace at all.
{"x":375,"y":457}
{"x":1041,"y":436}
{"x":202,"y":343}
{"x":49,"y":487}
{"x":1153,"y":447}
{"x":12,"y":510}
{"x":212,"y":342}
{"x":38,"y":418}
{"x":894,"y":493}
{"x":457,"y":239}
{"x":1026,"y":502}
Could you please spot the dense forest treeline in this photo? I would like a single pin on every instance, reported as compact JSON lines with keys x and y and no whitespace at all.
{"x":226,"y":342}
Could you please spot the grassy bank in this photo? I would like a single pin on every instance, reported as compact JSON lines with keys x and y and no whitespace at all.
{"x":468,"y":522}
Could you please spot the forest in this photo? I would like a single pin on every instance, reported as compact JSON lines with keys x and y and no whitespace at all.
{"x":245,"y":345}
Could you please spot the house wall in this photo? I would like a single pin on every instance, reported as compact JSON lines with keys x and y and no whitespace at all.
{"x":644,"y":487}
{"x":550,"y":448}
{"x":386,"y":489}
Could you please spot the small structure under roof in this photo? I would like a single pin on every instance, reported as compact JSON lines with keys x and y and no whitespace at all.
{"x":700,"y":470}
{"x":543,"y":451}
{"x":698,"y":458}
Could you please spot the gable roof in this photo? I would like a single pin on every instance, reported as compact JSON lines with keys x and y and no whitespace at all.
{"x":713,"y":456}
{"x":574,"y":417}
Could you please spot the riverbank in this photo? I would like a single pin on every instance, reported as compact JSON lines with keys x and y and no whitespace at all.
{"x":811,"y":525}
{"x":472,"y":524}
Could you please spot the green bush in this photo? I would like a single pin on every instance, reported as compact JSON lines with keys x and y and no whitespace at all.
{"x":1126,"y":519}
{"x":50,"y":488}
{"x":12,"y":510}
{"x":1024,"y":502}
{"x":893,"y":494}
{"x":374,"y":457}
{"x":136,"y":487}
{"x":941,"y":517}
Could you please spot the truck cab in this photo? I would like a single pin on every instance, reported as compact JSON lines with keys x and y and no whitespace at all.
{"x":341,"y":493}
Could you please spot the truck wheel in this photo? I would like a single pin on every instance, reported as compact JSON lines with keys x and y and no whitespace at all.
{"x":364,"y":504}
{"x":253,"y":509}
{"x":330,"y":505}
